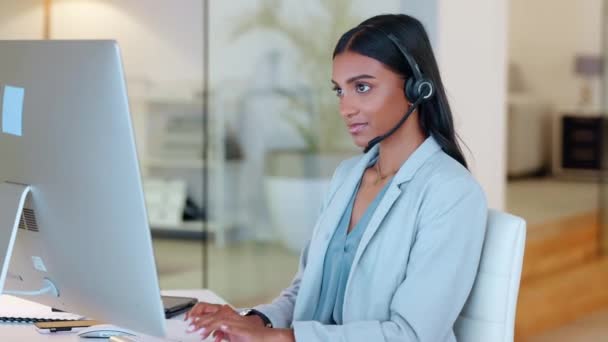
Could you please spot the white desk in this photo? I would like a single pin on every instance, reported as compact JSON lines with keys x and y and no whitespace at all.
{"x":27,"y":332}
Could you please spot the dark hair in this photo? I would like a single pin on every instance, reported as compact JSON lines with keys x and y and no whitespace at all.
{"x":435,"y":114}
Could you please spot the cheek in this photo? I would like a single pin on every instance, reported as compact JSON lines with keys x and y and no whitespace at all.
{"x":384,"y":111}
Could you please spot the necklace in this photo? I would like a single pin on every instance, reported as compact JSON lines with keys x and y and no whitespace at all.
{"x":379,"y":176}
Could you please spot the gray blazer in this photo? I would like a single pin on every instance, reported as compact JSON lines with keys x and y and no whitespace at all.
{"x":415,"y":264}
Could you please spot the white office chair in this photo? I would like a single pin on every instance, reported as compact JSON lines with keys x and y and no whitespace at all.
{"x":489,"y":313}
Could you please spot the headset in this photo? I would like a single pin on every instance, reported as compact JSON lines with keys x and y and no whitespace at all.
{"x":417,"y":88}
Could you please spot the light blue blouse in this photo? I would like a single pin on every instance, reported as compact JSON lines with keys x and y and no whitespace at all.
{"x":339,"y":259}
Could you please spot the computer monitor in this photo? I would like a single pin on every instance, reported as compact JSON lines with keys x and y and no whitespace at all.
{"x":67,"y":134}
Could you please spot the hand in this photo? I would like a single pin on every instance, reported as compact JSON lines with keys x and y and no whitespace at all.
{"x":210,"y":318}
{"x":202,"y":309}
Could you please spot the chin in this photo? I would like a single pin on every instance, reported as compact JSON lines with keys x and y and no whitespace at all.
{"x":361,"y":141}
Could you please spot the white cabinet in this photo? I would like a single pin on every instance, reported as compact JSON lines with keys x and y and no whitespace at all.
{"x":528,"y":135}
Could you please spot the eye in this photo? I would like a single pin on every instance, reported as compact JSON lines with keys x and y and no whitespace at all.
{"x":362,"y":88}
{"x":338,"y":91}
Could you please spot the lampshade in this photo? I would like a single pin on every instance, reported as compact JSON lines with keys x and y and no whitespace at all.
{"x":588,"y":65}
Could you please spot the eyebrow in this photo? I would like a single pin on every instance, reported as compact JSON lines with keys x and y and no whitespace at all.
{"x":354,"y":78}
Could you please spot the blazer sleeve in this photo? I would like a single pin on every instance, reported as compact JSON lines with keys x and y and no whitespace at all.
{"x":442,"y":267}
{"x":280,"y":311}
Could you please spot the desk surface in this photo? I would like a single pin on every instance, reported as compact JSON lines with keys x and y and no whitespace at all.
{"x":27,"y":332}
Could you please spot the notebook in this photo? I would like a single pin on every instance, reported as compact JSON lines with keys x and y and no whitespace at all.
{"x":17,"y":310}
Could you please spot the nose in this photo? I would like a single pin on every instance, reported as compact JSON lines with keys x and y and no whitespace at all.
{"x":347,"y":109}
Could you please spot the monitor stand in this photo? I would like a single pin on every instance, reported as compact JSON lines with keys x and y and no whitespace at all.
{"x":13,"y":197}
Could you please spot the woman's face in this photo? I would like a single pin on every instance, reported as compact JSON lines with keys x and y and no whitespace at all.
{"x":371,"y":96}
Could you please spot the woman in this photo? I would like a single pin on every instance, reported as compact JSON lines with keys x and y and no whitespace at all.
{"x":395,"y":251}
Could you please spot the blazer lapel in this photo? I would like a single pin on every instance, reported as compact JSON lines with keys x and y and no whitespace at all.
{"x":310,"y":288}
{"x":405,"y":174}
{"x":391,"y":195}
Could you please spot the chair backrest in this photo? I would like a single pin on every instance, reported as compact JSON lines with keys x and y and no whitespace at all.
{"x":489,"y":313}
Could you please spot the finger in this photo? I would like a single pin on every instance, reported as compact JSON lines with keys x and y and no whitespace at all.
{"x":214,"y":324}
{"x":193,"y":311}
{"x":219,"y":336}
{"x":216,"y":309}
{"x":223,"y":313}
{"x":208,"y":325}
{"x":198,"y":322}
{"x":206,"y":331}
{"x":201,"y":309}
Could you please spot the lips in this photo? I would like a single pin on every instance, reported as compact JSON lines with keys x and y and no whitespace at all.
{"x":356,"y":128}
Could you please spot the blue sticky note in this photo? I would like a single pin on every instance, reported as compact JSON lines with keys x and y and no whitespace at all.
{"x":12,"y":110}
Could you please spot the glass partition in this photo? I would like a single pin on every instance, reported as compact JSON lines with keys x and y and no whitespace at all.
{"x":270,"y":85}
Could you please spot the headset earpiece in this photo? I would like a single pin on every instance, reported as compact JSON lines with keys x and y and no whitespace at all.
{"x":417,"y":86}
{"x":415,"y":89}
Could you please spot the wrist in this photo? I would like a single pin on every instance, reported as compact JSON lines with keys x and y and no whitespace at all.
{"x":252,"y":312}
{"x":255,"y":319}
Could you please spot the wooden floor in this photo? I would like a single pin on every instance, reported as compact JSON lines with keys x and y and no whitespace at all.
{"x":563,"y":277}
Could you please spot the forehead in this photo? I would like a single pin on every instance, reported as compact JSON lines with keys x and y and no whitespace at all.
{"x":351,"y":64}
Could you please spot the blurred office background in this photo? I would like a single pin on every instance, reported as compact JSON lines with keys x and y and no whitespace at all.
{"x":249,"y":82}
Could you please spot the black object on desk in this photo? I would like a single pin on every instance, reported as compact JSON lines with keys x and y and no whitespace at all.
{"x":176,"y":305}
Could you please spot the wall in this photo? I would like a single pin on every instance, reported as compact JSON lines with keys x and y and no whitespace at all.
{"x":545,"y":36}
{"x":21,"y":19}
{"x":161,"y":43}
